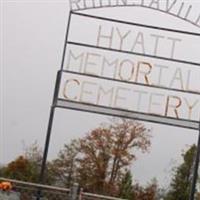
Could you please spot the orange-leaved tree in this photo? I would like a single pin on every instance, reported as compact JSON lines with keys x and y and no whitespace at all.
{"x":104,"y":155}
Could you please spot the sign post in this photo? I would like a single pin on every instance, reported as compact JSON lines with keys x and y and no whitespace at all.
{"x":48,"y":136}
{"x":196,"y":167}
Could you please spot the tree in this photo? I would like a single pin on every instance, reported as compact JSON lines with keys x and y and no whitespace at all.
{"x":25,"y":167}
{"x":181,"y":182}
{"x":2,"y":168}
{"x":126,"y":187}
{"x":19,"y":169}
{"x":98,"y":161}
{"x":63,"y":168}
{"x":101,"y":158}
{"x":145,"y":193}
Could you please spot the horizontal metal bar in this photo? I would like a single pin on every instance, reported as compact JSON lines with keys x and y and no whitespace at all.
{"x":34,"y":185}
{"x":79,"y":106}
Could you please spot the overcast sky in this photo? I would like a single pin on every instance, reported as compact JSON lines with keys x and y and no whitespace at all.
{"x":31,"y":51}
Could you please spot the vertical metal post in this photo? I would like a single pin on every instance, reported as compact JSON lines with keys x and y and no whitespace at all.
{"x":74,"y":190}
{"x":43,"y":167}
{"x":196,"y":167}
{"x":48,"y":136}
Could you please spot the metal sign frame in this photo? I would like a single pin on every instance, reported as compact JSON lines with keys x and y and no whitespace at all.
{"x":59,"y":103}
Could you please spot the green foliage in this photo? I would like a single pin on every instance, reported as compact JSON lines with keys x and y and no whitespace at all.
{"x":181,"y":182}
{"x":2,"y":169}
{"x":126,"y":186}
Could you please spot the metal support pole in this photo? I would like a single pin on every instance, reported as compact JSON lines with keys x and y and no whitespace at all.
{"x":48,"y":136}
{"x":43,"y":167}
{"x":74,"y":190}
{"x":196,"y":167}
